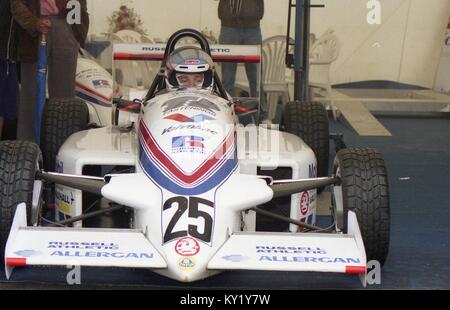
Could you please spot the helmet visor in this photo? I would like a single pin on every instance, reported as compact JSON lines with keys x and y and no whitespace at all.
{"x":190,"y":80}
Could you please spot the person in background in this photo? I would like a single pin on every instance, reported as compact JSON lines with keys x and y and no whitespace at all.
{"x":9,"y":86}
{"x":240,"y":24}
{"x":46,"y":17}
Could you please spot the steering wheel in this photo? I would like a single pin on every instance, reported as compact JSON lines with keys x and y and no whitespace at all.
{"x":159,"y":82}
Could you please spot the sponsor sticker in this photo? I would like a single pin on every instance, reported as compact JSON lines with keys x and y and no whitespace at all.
{"x":235,"y":258}
{"x":289,"y":250}
{"x":26,"y":253}
{"x":304,"y":203}
{"x":101,"y":84}
{"x":189,"y":103}
{"x":64,"y":202}
{"x":189,"y":127}
{"x":192,"y":62}
{"x":153,"y":49}
{"x":59,"y":166}
{"x":188,"y":144}
{"x":63,"y":207}
{"x":312,"y":171}
{"x":93,"y":250}
{"x":104,"y":254}
{"x":186,"y":263}
{"x":187,"y":247}
{"x":83,"y":245}
{"x":220,"y":50}
{"x":65,"y":198}
{"x":63,"y":216}
{"x":310,"y":259}
{"x":181,"y":118}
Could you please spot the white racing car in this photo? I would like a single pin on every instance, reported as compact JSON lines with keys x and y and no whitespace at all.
{"x":187,"y":183}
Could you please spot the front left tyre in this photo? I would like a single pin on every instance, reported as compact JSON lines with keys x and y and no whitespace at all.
{"x":19,"y":163}
{"x":62,"y":117}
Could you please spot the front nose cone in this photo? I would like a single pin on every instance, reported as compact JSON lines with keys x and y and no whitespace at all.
{"x":187,"y":260}
{"x":189,"y":269}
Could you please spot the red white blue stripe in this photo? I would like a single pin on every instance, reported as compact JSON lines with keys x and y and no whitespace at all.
{"x":165,"y":172}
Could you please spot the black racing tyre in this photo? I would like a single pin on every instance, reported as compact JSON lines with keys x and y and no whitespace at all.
{"x":365,"y":191}
{"x":19,"y":162}
{"x":309,"y":121}
{"x":62,"y":118}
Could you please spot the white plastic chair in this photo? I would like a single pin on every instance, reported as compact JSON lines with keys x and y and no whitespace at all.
{"x":274,"y":73}
{"x":323,"y":53}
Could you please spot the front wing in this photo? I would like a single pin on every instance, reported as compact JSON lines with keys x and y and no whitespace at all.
{"x":293,"y":252}
{"x":45,"y":246}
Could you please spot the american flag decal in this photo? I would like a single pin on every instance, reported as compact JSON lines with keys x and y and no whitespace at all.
{"x":101,"y":83}
{"x":185,"y":144}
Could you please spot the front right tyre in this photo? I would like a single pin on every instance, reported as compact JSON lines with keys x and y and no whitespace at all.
{"x":365,"y":191}
{"x":309,"y":121}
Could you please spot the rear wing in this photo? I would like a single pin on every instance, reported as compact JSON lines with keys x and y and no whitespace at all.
{"x":133,"y":75}
{"x":219,"y":53}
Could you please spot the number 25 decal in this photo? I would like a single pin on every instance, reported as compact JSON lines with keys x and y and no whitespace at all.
{"x":191,"y":204}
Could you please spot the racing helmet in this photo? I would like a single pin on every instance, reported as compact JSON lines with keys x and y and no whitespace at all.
{"x":189,"y":67}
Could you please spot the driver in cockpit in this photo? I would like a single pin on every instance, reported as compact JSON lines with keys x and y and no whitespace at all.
{"x":189,"y":68}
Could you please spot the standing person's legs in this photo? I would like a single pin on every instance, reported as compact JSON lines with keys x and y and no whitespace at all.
{"x":27,"y":102}
{"x":3,"y":103}
{"x":251,"y":69}
{"x":62,"y":62}
{"x":252,"y":36}
{"x":9,"y":92}
{"x":229,"y":36}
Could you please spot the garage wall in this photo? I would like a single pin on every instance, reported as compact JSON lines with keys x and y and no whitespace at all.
{"x":163,"y":17}
{"x":443,"y":78}
{"x":406,"y":47}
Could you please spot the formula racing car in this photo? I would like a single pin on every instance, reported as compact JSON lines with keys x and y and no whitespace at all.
{"x":185,"y":189}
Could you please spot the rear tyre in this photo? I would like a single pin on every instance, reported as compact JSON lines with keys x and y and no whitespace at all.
{"x":365,"y":191}
{"x":62,"y":118}
{"x":309,"y":121}
{"x":19,"y":162}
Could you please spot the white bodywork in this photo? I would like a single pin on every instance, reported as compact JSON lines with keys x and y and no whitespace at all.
{"x":94,"y":85}
{"x":194,"y":180}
